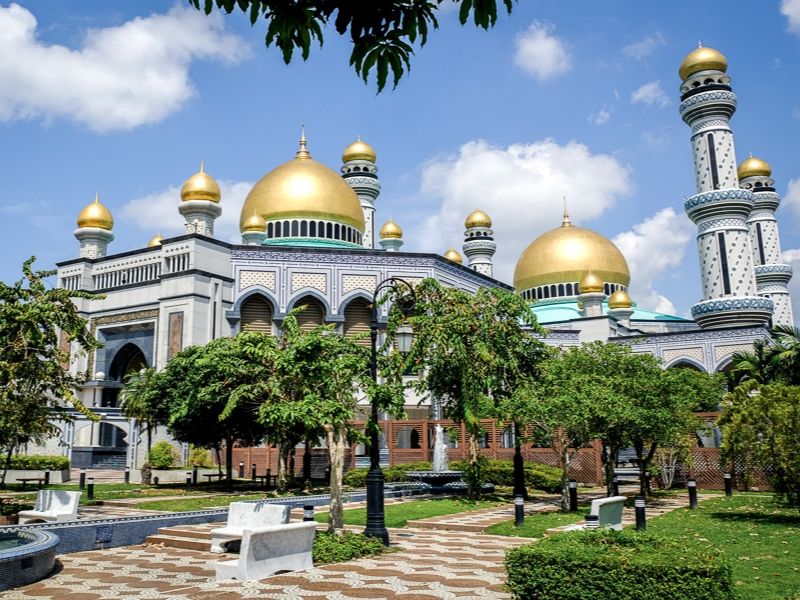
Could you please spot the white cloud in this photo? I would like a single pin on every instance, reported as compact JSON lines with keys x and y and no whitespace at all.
{"x":650,"y":93}
{"x":644,"y":47}
{"x":791,"y":10}
{"x":121,"y":77}
{"x":521,"y":187}
{"x":601,"y":117}
{"x":540,"y":53}
{"x":791,"y":199}
{"x":158,"y":212}
{"x":652,"y":248}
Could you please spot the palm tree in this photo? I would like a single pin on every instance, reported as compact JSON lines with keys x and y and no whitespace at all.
{"x":759,"y":365}
{"x":134,"y":404}
{"x":786,"y":352}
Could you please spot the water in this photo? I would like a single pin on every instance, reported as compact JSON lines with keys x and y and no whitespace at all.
{"x":439,"y":451}
{"x":7,"y":543}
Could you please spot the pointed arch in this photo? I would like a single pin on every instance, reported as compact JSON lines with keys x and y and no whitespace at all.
{"x":357,"y":319}
{"x":257,"y":314}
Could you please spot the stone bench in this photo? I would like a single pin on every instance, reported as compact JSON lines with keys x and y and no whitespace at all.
{"x":607,"y":510}
{"x":266,"y":551}
{"x":247,"y":515}
{"x":52,"y":506}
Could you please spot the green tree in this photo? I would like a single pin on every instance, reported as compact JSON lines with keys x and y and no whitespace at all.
{"x":761,"y":425}
{"x":758,"y":364}
{"x":787,"y":353}
{"x":135,"y":404}
{"x":382,"y":33}
{"x":36,"y":389}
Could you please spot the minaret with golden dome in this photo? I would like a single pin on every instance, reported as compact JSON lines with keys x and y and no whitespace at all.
{"x":721,"y":208}
{"x":479,"y":245}
{"x":772,"y":275}
{"x":200,"y":196}
{"x":94,"y":230}
{"x":361,"y":173}
{"x":591,"y":294}
{"x":254,"y":230}
{"x":391,"y":235}
{"x":620,"y":307}
{"x":454,"y":256}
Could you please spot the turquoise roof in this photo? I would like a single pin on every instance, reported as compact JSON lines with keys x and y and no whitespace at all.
{"x":300,"y":242}
{"x":557,"y":311}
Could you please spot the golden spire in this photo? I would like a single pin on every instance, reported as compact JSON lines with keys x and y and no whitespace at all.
{"x":303,"y":151}
{"x":96,"y":214}
{"x":565,"y":222}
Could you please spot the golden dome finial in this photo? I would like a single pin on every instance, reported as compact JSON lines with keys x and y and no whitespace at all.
{"x":753,"y":167}
{"x":201,"y":186}
{"x":303,"y":152}
{"x":619,"y":299}
{"x":702,"y":59}
{"x":359,"y":150}
{"x":565,"y":222}
{"x":454,"y":256}
{"x":96,"y":215}
{"x":590,"y":283}
{"x":477,"y":218}
{"x":391,"y":230}
{"x":155,"y":241}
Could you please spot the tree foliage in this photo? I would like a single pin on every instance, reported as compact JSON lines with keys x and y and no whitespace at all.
{"x":383,"y":33}
{"x":35,"y":387}
{"x":775,"y":360}
{"x":135,"y":403}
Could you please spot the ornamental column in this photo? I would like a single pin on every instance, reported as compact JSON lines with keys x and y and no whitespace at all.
{"x":479,"y":245}
{"x":200,"y":197}
{"x":94,"y":229}
{"x":361,"y":173}
{"x":720,"y":208}
{"x":772,"y":275}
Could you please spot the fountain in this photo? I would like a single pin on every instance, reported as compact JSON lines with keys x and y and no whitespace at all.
{"x":439,"y":476}
{"x":26,"y":555}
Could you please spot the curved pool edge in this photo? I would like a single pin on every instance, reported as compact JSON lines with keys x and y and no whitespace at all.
{"x":29,"y":562}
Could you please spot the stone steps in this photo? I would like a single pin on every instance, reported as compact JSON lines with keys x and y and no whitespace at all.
{"x":184,"y":543}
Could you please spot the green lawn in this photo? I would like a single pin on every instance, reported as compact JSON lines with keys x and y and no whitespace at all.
{"x":189,"y":503}
{"x":398,"y":514}
{"x":761,"y":539}
{"x":536,"y":524}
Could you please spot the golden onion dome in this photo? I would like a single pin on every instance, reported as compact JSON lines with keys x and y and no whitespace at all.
{"x":255,"y":223}
{"x":201,"y":186}
{"x":619,"y":299}
{"x":155,"y":241}
{"x":96,"y":215}
{"x":702,"y":59}
{"x":391,"y":230}
{"x":359,"y":150}
{"x":590,"y":283}
{"x":451,"y":254}
{"x":478,"y":218}
{"x":751,"y":167}
{"x":565,"y":254}
{"x":303,"y":188}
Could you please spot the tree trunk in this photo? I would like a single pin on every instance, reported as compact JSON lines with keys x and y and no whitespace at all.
{"x":474,"y":483}
{"x":644,"y":463}
{"x":336,"y":450}
{"x":5,"y":467}
{"x":307,"y":466}
{"x":229,"y":461}
{"x":565,"y":464}
{"x":609,"y":463}
{"x":283,"y":462}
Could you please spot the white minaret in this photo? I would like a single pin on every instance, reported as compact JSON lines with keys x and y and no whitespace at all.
{"x":720,"y":208}
{"x":479,"y":245}
{"x":391,"y":235}
{"x":200,"y":197}
{"x":772,"y":275}
{"x":591,"y":295}
{"x":94,"y":229}
{"x":361,"y":173}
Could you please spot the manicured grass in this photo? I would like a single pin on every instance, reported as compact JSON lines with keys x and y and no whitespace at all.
{"x":397,"y":515}
{"x":760,"y":538}
{"x":185,"y":504}
{"x":538,"y":523}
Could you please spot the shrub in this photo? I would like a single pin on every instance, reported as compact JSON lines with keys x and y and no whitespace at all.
{"x":331,"y":547}
{"x":623,"y":565}
{"x":358,"y":477}
{"x":200,"y":457}
{"x":162,"y":455}
{"x":39,"y":462}
{"x":501,"y":472}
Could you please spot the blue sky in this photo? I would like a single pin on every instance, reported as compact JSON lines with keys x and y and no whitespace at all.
{"x":574,"y":99}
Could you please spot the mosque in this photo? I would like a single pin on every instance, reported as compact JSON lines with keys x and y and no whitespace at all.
{"x":309,"y":238}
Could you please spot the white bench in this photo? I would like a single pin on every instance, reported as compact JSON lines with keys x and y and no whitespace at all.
{"x":608,"y":511}
{"x":269,"y":550}
{"x":52,"y":506}
{"x":247,"y":515}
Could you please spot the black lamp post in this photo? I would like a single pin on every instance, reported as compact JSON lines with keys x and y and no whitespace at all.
{"x":376,"y":524}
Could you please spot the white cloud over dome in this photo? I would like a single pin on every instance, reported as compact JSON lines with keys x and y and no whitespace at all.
{"x":651,"y":94}
{"x":791,"y":10}
{"x":540,"y":53}
{"x":791,"y":200}
{"x":644,"y":47}
{"x":521,"y":187}
{"x":120,"y":78}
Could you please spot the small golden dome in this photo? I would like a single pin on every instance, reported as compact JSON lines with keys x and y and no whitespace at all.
{"x":478,"y":218}
{"x":254,"y":223}
{"x":155,"y":241}
{"x":702,"y":59}
{"x":565,"y":254}
{"x":200,"y":186}
{"x":391,"y":230}
{"x":454,"y":256}
{"x":359,"y":150}
{"x":303,"y":188}
{"x":96,"y":215}
{"x":753,"y":166}
{"x":619,"y":299}
{"x":590,"y":283}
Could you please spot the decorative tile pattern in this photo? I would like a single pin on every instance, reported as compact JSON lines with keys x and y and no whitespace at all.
{"x":358,"y":282}
{"x":263,"y":278}
{"x":315,"y":281}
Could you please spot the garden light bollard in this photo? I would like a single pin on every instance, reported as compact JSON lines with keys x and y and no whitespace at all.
{"x":692,"y":486}
{"x":90,"y":489}
{"x":195,"y":468}
{"x":308,"y":512}
{"x":82,"y":479}
{"x":519,"y":511}
{"x":592,"y":522}
{"x":615,"y":486}
{"x":641,"y":518}
{"x":573,"y":495}
{"x":253,"y":472}
{"x":155,"y":481}
{"x":188,"y":479}
{"x":728,"y":484}
{"x":127,"y":475}
{"x":47,"y":477}
{"x":241,"y":470}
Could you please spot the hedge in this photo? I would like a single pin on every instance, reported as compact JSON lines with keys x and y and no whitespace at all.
{"x":38,"y":462}
{"x":501,"y":472}
{"x":625,"y":565}
{"x":358,"y":477}
{"x":347,"y":545}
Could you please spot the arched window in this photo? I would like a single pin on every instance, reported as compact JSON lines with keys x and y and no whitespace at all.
{"x":278,"y":229}
{"x":312,"y":315}
{"x":357,"y":318}
{"x":560,"y":289}
{"x":303,"y":228}
{"x":553,"y":291}
{"x":569,"y":289}
{"x":546,"y":292}
{"x":295,"y":232}
{"x":606,"y":289}
{"x":336,"y":231}
{"x":312,"y":229}
{"x":256,"y":313}
{"x":329,"y":230}
{"x":270,"y":229}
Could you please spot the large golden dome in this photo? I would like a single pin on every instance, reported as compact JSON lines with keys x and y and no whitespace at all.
{"x":359,"y":150}
{"x":702,"y":59}
{"x":96,"y":215}
{"x":201,"y":186}
{"x":753,"y":166}
{"x":565,"y":255}
{"x":303,"y":188}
